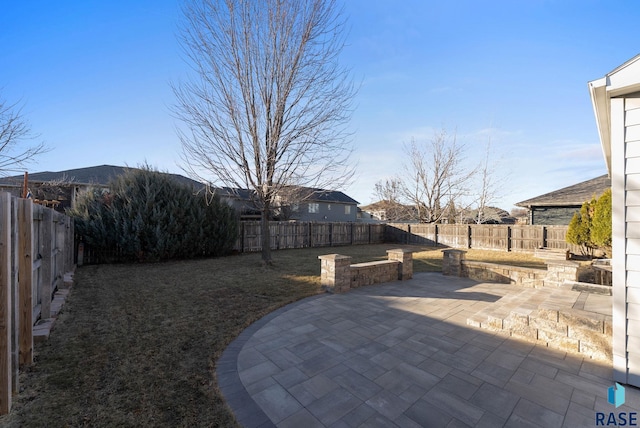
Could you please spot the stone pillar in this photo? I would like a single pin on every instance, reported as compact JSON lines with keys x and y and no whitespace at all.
{"x":452,"y":262}
{"x":335,"y":273}
{"x":559,"y":271}
{"x":405,"y":257}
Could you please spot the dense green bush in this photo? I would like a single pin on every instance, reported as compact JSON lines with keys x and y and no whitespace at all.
{"x":146,"y":215}
{"x":591,"y":227}
{"x":601,"y":233}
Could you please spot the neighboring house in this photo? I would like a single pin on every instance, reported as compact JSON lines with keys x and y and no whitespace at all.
{"x":64,"y":186}
{"x":366,"y":217}
{"x":241,"y":200}
{"x":391,"y":211}
{"x":616,"y":104}
{"x":491,"y":215}
{"x":558,"y":207}
{"x":302,"y":204}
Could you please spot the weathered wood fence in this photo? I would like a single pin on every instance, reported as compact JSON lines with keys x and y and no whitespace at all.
{"x":483,"y":236}
{"x":286,"y":235}
{"x":308,"y":235}
{"x":36,"y":250}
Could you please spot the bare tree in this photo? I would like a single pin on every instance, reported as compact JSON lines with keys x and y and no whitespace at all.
{"x":268,"y":104}
{"x":390,"y":194}
{"x":490,"y":183}
{"x":436,"y":179}
{"x":14,"y":131}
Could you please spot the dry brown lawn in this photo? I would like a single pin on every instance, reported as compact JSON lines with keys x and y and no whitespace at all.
{"x":136,"y":344}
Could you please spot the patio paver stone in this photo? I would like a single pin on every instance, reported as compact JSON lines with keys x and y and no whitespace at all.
{"x":401,"y":354}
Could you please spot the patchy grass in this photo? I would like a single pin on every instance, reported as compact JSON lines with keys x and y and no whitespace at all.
{"x":136,"y":345}
{"x":505,"y":258}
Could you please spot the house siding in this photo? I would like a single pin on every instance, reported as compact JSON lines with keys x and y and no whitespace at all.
{"x":330,"y":212}
{"x":631,"y":195}
{"x":553,"y":216}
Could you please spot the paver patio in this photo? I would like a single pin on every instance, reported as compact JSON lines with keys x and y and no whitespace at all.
{"x":401,"y":354}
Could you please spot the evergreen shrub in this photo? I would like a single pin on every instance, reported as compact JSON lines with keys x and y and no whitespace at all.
{"x":601,"y":233}
{"x":146,"y":215}
{"x":590,"y":228}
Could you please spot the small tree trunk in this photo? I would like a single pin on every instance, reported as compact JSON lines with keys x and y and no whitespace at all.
{"x":265,"y":232}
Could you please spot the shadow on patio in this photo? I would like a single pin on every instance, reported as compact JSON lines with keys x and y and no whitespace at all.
{"x":401,"y":354}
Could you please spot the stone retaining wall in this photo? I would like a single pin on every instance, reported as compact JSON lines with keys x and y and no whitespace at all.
{"x":557,"y":272}
{"x":492,"y":272}
{"x":374,"y":272}
{"x":338,"y":275}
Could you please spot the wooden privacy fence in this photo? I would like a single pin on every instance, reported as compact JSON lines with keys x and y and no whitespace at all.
{"x":36,"y":250}
{"x":481,"y":236}
{"x":308,"y":234}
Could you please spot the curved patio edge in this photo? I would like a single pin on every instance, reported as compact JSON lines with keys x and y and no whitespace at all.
{"x":246,"y":411}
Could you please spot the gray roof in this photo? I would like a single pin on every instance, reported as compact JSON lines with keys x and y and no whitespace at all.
{"x":323,"y":195}
{"x":575,"y":195}
{"x":94,"y":175}
{"x":307,"y":194}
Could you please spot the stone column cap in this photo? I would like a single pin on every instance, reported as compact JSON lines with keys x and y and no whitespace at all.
{"x":572,"y":263}
{"x":401,"y":250}
{"x":333,"y":257}
{"x":452,"y":250}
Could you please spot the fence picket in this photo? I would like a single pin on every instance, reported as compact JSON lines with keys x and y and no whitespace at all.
{"x":5,"y":303}
{"x":524,"y":238}
{"x":25,"y":274}
{"x":36,"y":249}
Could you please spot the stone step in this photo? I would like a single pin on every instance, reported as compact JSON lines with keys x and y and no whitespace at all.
{"x":42,"y":328}
{"x":552,"y":317}
{"x":551,"y":254}
{"x":493,"y":316}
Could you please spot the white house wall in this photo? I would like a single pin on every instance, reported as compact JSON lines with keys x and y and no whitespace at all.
{"x":626,"y":176}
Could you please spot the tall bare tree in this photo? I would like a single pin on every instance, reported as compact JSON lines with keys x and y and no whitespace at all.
{"x":15,"y":131}
{"x":268,"y":102}
{"x":489,"y":186}
{"x":436,"y":177}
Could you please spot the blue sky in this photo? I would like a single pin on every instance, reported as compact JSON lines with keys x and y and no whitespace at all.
{"x":94,"y":77}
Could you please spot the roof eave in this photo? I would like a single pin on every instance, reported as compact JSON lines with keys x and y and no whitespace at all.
{"x":621,"y":81}
{"x":602,"y":109}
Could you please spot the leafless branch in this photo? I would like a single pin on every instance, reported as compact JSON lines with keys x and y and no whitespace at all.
{"x":436,"y":180}
{"x":14,"y":131}
{"x":268,"y":103}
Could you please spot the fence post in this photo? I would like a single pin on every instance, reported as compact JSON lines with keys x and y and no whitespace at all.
{"x":241,"y":237}
{"x":25,"y":274}
{"x":5,"y":303}
{"x":59,"y":230}
{"x":47,"y":269}
{"x":70,"y":243}
{"x":509,"y":244}
{"x":544,"y":236}
{"x":351,"y":226}
{"x":15,"y":308}
{"x":469,"y":236}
